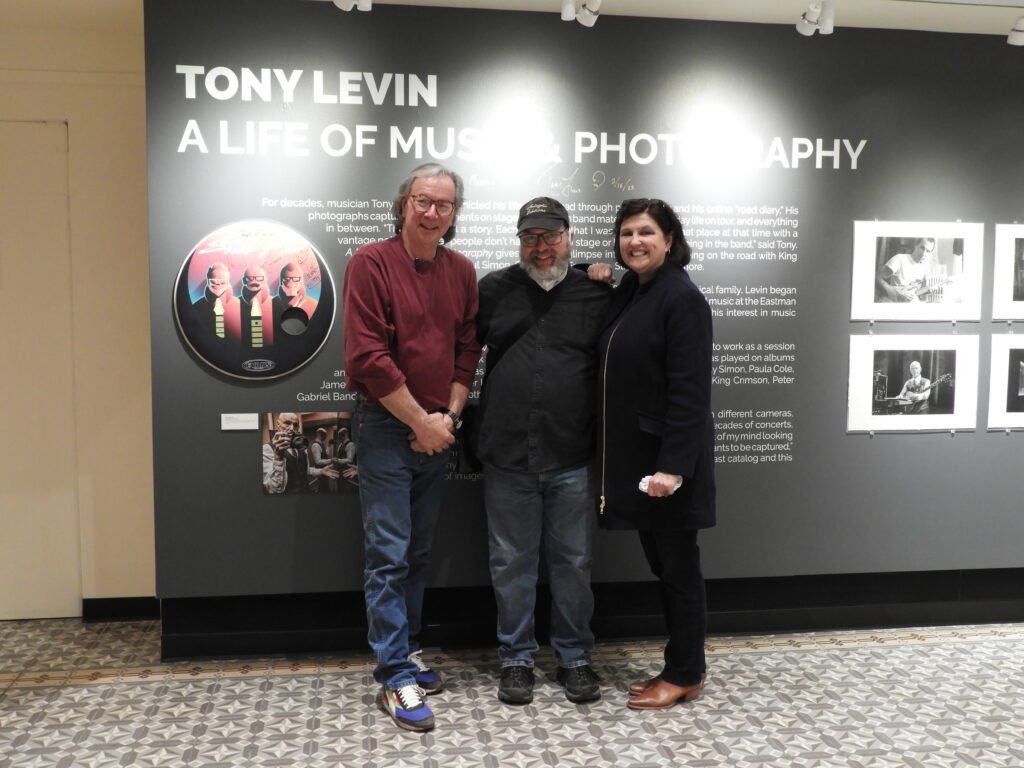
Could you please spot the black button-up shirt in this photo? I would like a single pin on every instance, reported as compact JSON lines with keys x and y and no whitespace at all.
{"x":538,"y":403}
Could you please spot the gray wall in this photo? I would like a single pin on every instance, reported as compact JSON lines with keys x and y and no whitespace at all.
{"x":942,"y":128}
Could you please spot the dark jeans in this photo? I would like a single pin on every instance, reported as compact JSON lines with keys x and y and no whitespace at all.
{"x":400,"y":491}
{"x":674,"y":558}
{"x":524,"y":512}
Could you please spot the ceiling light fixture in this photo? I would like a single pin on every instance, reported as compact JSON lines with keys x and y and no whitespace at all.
{"x":1016,"y":36}
{"x":588,"y":12}
{"x":568,"y":10}
{"x":819,"y":17}
{"x":348,"y":5}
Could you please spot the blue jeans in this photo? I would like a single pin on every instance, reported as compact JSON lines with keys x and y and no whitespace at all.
{"x":524,"y":509}
{"x":400,"y":493}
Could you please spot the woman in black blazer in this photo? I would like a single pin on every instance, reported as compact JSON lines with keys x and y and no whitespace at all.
{"x":657,"y":432}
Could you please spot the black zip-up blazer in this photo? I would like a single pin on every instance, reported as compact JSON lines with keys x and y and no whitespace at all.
{"x":655,"y":403}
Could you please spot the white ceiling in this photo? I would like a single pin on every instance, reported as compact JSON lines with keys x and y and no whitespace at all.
{"x":995,"y":17}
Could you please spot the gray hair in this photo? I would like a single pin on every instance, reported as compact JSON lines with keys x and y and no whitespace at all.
{"x":288,"y":415}
{"x":427,"y":169}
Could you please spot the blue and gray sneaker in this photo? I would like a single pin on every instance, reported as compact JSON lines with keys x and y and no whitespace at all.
{"x":407,"y":707}
{"x":426,"y":678}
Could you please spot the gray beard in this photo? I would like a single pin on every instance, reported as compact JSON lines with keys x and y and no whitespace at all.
{"x":547,"y":280}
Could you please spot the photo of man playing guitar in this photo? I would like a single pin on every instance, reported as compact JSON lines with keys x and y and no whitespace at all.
{"x":910,"y":277}
{"x":916,"y":393}
{"x":919,"y":394}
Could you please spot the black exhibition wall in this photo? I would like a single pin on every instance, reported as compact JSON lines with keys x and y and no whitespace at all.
{"x":296,"y":121}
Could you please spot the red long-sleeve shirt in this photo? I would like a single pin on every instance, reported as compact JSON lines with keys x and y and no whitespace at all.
{"x":409,"y":326}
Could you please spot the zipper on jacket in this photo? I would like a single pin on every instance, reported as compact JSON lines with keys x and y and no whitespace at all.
{"x":604,"y":414}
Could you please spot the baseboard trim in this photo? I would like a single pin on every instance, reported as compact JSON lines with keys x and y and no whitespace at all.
{"x":120,"y":609}
{"x":198,"y":627}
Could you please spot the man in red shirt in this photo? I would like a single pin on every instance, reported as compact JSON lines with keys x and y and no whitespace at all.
{"x":411,"y":354}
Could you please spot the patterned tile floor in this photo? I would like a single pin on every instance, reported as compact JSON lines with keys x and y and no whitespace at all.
{"x":93,"y":696}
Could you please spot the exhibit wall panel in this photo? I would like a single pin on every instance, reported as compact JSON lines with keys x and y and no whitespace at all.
{"x":107,"y":450}
{"x":265,"y":115}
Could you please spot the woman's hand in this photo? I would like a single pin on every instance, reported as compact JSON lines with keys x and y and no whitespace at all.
{"x":663,"y":484}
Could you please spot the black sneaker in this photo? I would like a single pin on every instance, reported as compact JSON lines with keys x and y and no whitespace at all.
{"x":580,"y":683}
{"x":516,"y":686}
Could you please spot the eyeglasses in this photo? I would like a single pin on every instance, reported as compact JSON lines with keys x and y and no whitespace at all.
{"x":551,"y":238}
{"x":257,"y":278}
{"x":291,"y":279}
{"x":422,"y":204}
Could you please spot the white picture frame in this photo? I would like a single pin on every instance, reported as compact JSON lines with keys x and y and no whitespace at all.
{"x":1006,"y":382}
{"x":940,"y":281}
{"x":880,"y":369}
{"x":1008,"y":273}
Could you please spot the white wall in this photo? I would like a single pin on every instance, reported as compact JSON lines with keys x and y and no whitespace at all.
{"x":90,"y":76}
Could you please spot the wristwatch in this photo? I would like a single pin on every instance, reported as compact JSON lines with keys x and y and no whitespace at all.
{"x":456,"y":421}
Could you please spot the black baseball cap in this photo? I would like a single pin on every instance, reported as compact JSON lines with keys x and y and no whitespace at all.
{"x":542,"y":213}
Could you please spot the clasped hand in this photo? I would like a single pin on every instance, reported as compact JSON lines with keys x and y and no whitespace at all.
{"x":434,"y":435}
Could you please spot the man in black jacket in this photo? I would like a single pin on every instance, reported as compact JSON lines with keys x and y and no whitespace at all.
{"x":534,"y":433}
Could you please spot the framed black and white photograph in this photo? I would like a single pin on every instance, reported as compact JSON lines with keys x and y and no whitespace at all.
{"x":1008,"y":273}
{"x":912,"y":383}
{"x":1006,"y":383}
{"x":912,"y":270}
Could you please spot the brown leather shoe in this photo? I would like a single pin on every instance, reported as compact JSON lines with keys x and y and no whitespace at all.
{"x":663,"y":695}
{"x":635,"y":689}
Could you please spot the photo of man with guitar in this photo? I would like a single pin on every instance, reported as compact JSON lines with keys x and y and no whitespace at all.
{"x":915,"y":274}
{"x":917,"y":390}
{"x":919,"y":394}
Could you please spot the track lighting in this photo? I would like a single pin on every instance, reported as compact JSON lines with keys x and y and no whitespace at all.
{"x":347,"y":5}
{"x":568,"y":10}
{"x":1016,"y":36}
{"x":818,"y":17}
{"x":588,"y":13}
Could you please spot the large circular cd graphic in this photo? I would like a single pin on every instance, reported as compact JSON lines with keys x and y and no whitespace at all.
{"x":254,"y":300}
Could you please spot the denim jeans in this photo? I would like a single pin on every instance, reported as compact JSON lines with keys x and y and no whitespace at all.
{"x":400,"y":493}
{"x":523,"y":510}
